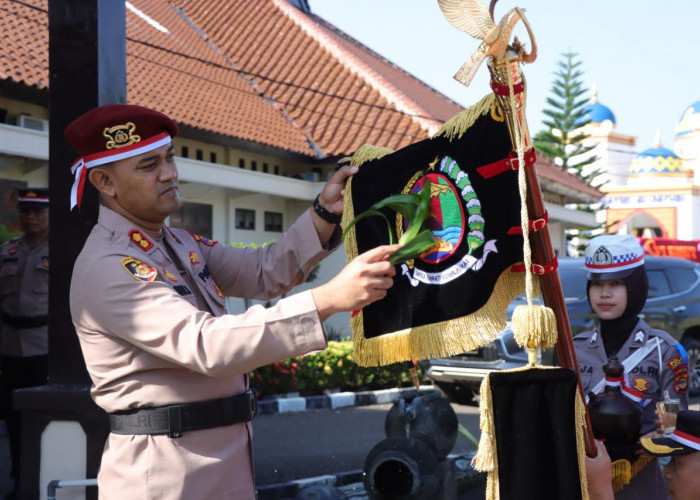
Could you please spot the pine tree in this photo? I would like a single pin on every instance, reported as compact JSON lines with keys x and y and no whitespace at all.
{"x":562,"y":140}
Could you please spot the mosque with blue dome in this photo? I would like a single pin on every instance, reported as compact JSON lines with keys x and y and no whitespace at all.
{"x":653,"y":193}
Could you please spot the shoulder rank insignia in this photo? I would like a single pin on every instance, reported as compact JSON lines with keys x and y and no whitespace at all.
{"x":194,"y":258}
{"x":140,"y":271}
{"x":205,"y":241}
{"x":140,"y":239}
{"x":218,"y":291}
{"x":169,"y":275}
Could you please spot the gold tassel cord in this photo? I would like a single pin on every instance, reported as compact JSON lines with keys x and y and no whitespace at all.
{"x":533,"y":326}
{"x":485,"y":459}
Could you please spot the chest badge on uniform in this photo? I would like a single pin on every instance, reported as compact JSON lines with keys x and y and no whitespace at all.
{"x":140,"y":271}
{"x":640,"y":384}
{"x":12,"y":250}
{"x":194,"y":258}
{"x":202,"y":239}
{"x":140,"y":239}
{"x":169,"y":275}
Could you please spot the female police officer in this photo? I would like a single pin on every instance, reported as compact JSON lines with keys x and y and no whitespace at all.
{"x":654,"y":362}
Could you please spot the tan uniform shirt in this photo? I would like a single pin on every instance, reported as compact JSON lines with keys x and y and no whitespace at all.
{"x":24,"y":288}
{"x":147,"y":343}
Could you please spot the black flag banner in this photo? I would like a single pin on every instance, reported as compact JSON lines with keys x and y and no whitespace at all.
{"x":532,"y":443}
{"x":453,"y":297}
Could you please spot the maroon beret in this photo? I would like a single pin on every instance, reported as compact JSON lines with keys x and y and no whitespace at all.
{"x":114,"y":132}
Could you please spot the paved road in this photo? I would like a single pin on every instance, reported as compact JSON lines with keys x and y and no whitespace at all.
{"x":290,"y":446}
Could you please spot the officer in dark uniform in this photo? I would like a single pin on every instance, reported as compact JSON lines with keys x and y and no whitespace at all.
{"x":24,"y":302}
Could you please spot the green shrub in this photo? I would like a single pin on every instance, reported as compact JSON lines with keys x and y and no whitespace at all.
{"x":331,"y":369}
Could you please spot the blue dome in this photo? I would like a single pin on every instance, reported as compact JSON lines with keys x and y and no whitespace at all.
{"x":689,"y":122}
{"x":657,"y":151}
{"x":657,"y":160}
{"x":597,"y":113}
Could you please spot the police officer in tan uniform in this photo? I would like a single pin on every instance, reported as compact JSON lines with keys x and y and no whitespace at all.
{"x":24,"y":307}
{"x":655,"y":363}
{"x":166,"y":361}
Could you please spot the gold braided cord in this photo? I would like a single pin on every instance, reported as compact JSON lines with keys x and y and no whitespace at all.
{"x":445,"y":338}
{"x":485,"y":459}
{"x":580,"y":422}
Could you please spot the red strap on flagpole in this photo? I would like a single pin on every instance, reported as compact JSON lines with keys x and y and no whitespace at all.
{"x":510,"y":163}
{"x":538,"y":269}
{"x":532,"y":226}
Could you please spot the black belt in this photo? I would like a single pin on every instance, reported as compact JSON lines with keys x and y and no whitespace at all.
{"x":173,"y":420}
{"x":25,"y":321}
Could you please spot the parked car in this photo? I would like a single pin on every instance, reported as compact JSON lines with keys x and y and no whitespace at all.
{"x":673,"y":305}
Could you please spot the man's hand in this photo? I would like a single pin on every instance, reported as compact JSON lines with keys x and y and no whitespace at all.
{"x":363,"y":281}
{"x":331,"y":196}
{"x":599,"y":474}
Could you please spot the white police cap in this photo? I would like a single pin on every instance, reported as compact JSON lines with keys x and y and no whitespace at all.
{"x":613,"y":256}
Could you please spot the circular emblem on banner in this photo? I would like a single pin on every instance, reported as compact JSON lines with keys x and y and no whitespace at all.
{"x":446,"y":220}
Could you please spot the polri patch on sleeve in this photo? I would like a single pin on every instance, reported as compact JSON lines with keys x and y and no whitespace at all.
{"x":202,"y":239}
{"x":140,"y":271}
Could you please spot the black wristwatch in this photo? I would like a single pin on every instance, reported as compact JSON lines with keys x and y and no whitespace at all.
{"x":323,"y":213}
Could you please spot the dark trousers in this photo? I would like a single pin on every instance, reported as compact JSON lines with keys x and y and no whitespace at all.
{"x":18,"y":373}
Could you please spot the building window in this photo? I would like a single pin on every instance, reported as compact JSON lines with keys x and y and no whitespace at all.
{"x":241,"y":163}
{"x":277,"y":169}
{"x":212,"y":157}
{"x":266,"y":168}
{"x":273,"y":222}
{"x":253,"y":165}
{"x":245,"y":219}
{"x":194,"y":217}
{"x":185,"y":152}
{"x":200,"y":154}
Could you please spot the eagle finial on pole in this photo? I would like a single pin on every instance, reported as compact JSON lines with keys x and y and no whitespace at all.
{"x":476,"y":19}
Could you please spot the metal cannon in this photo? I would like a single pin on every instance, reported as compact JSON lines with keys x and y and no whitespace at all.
{"x":411,"y":463}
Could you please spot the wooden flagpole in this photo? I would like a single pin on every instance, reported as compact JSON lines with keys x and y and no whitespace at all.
{"x":540,"y":241}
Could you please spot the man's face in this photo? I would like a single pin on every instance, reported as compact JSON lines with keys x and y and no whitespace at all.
{"x":34,"y":221}
{"x":682,"y":476}
{"x":145,"y":187}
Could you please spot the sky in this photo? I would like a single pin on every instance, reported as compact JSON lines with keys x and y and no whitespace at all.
{"x":643,"y":56}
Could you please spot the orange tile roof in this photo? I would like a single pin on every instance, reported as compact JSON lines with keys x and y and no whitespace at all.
{"x":258,"y":70}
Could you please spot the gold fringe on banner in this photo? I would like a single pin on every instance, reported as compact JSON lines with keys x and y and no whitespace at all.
{"x":456,"y":126}
{"x":368,"y":152}
{"x":623,"y":471}
{"x":446,"y":338}
{"x":486,"y":459}
{"x":580,"y":413}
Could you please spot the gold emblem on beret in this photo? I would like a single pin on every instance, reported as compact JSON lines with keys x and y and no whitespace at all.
{"x":121,"y":135}
{"x":658,"y":448}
